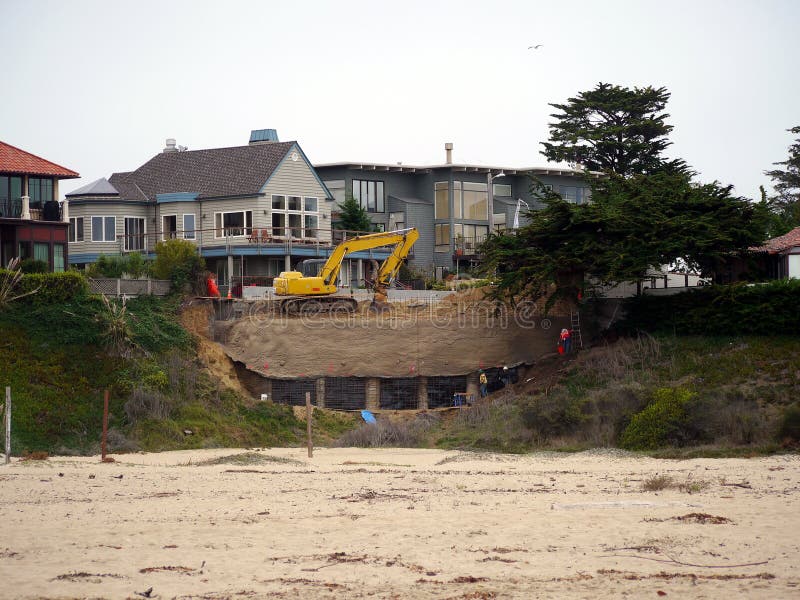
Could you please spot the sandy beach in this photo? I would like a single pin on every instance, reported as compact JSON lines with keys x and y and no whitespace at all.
{"x":395,"y":523}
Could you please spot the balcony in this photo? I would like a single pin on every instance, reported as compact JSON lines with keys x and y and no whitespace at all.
{"x":12,"y":209}
{"x":467,"y":247}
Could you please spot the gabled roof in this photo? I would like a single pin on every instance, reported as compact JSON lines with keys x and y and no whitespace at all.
{"x":218,"y":172}
{"x":100,"y":187}
{"x":780,"y":244}
{"x":14,"y":160}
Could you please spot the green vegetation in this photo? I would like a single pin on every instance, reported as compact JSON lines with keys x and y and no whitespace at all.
{"x":784,"y":206}
{"x":767,"y":309}
{"x":178,"y":261}
{"x":133,"y":265}
{"x":671,"y":396}
{"x":352,"y":216}
{"x":58,"y":357}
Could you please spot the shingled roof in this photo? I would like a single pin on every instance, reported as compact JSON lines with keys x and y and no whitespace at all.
{"x":780,"y":244}
{"x":218,"y":172}
{"x":99,"y":187}
{"x":14,"y":160}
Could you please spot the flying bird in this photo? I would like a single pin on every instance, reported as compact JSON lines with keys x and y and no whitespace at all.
{"x":536,"y":47}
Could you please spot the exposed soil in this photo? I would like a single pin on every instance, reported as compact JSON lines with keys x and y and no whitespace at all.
{"x":452,"y":338}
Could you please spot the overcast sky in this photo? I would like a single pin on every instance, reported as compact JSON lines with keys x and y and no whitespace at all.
{"x":97,"y":86}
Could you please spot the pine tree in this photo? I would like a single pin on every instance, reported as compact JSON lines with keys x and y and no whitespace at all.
{"x":786,"y":202}
{"x":613,"y":129}
{"x":352,"y":216}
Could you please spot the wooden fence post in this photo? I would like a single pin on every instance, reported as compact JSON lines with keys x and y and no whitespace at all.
{"x":8,"y":424}
{"x":308,"y":425}
{"x":105,"y":427}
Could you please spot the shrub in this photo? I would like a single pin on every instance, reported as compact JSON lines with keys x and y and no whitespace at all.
{"x":389,"y":433}
{"x":551,"y":416}
{"x":719,"y":310}
{"x":790,"y":425}
{"x":51,"y":288}
{"x":32,"y":265}
{"x":178,"y":261}
{"x":662,"y":422}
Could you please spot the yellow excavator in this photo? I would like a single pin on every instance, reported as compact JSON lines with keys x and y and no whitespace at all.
{"x":312,"y":289}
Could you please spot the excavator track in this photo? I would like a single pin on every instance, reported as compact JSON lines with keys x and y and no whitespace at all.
{"x":314,"y":305}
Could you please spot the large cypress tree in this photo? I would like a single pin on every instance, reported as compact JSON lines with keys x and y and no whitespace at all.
{"x":786,"y":202}
{"x":613,"y":129}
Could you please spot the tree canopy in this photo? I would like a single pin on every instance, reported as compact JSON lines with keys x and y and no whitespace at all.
{"x":785,"y":205}
{"x":613,"y":129}
{"x":631,"y":225}
{"x":353,"y":216}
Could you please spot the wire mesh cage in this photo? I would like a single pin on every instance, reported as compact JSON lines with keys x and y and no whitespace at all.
{"x":293,"y":391}
{"x":345,"y":393}
{"x":400,"y":393}
{"x":441,"y":390}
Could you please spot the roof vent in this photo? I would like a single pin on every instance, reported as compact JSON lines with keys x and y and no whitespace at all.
{"x":448,"y":150}
{"x":171,"y":145}
{"x":261,"y":136}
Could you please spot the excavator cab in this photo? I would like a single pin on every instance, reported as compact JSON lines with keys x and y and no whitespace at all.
{"x":312,"y":266}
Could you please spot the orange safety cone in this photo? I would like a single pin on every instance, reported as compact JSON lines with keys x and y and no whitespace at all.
{"x":229,"y":292}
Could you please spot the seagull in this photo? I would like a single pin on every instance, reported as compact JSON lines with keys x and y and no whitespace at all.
{"x":536,"y":47}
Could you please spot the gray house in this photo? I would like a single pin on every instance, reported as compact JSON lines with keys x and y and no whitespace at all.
{"x":449,"y":203}
{"x":253,"y":211}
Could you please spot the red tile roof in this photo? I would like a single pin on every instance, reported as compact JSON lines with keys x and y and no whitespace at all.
{"x":780,"y":244}
{"x":14,"y":160}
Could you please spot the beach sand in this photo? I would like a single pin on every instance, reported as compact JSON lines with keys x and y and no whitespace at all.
{"x":398,"y":523}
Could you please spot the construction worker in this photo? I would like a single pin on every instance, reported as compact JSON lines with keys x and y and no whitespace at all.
{"x":505,"y":376}
{"x":484,"y":384}
{"x":566,"y":340}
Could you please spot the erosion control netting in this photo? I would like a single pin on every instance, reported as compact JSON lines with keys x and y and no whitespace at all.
{"x":442,"y":389}
{"x":399,"y":394}
{"x":293,"y":391}
{"x":345,"y":393}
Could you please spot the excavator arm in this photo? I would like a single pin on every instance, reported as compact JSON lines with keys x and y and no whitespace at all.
{"x":402,"y":240}
{"x":293,"y":283}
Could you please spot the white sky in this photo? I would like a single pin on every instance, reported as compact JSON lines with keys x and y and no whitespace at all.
{"x":97,"y":86}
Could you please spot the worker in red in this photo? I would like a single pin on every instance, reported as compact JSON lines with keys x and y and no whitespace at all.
{"x":565,"y":340}
{"x":211,"y":286}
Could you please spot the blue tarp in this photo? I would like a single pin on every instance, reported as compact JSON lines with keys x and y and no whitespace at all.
{"x":368,"y":416}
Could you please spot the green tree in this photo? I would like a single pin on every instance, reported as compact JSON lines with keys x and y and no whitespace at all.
{"x":178,"y":261}
{"x":353,"y":217}
{"x":631,"y":225}
{"x":613,"y":129}
{"x":785,"y":205}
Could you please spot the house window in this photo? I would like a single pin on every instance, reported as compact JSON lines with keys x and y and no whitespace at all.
{"x":442,"y":234}
{"x":234,"y":224}
{"x":296,"y":216}
{"x":169,"y":227}
{"x":499,"y":222}
{"x":397,"y":220}
{"x":41,"y":251}
{"x":134,"y":234}
{"x":188,"y":227}
{"x":476,"y":201}
{"x":369,"y":194}
{"x":58,"y":257}
{"x":442,"y":204}
{"x":40,"y":191}
{"x":76,"y":229}
{"x":104,"y":229}
{"x":10,"y":194}
{"x":502,"y":190}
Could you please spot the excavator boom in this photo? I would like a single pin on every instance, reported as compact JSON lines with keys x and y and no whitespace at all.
{"x":302,"y":288}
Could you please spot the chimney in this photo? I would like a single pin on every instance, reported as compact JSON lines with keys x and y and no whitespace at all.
{"x":263,"y":136}
{"x":448,"y":148}
{"x":171,"y":146}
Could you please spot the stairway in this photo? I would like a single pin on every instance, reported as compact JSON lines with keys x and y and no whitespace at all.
{"x":575,"y":326}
